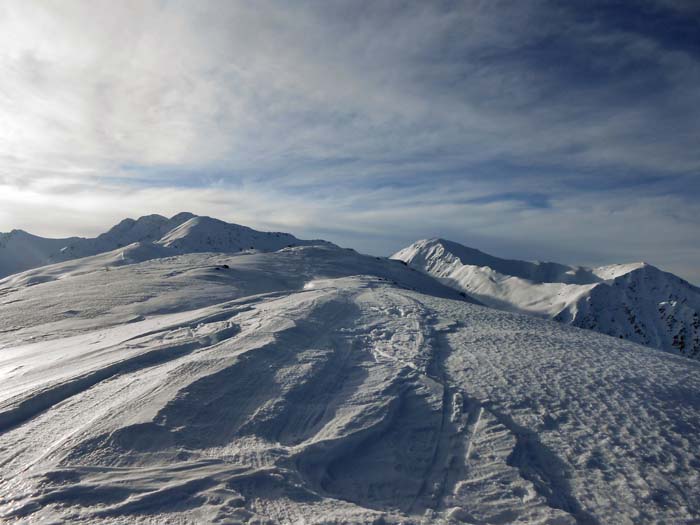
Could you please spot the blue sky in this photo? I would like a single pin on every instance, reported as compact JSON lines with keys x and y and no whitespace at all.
{"x":543,"y":130}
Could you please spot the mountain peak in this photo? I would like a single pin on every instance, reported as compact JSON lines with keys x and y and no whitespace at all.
{"x":202,"y":233}
{"x":20,"y":233}
{"x":182,"y":216}
{"x":428,"y":252}
{"x":634,"y":301}
{"x":182,"y":233}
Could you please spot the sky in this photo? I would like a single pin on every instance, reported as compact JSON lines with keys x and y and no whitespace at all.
{"x":548,"y":130}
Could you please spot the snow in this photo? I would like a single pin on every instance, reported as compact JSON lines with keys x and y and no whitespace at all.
{"x":633,"y":301}
{"x":20,"y":250}
{"x":314,"y":384}
{"x":149,"y":236}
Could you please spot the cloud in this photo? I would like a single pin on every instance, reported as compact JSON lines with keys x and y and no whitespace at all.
{"x":515,"y":124}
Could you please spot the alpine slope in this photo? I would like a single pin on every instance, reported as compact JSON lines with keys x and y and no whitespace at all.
{"x":637,"y":301}
{"x":310,"y":384}
{"x":148,"y":236}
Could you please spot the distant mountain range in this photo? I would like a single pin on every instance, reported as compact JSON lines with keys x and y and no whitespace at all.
{"x":150,"y":236}
{"x":637,"y":301}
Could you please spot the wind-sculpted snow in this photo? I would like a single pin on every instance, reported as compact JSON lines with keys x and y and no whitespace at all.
{"x":316,"y":385}
{"x":637,"y":302}
{"x":76,"y":296}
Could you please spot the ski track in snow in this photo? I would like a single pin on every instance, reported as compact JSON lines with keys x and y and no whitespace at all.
{"x":269,"y":394}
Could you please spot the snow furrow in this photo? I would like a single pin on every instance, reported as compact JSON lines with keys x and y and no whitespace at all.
{"x":15,"y":411}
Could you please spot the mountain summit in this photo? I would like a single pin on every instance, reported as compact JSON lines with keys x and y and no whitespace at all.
{"x":636,"y":301}
{"x":155,"y":234}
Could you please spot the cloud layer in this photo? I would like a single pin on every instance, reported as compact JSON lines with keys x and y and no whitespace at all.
{"x":535,"y":129}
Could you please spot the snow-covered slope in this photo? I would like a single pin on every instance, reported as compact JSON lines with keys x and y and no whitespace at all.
{"x":317,"y":385}
{"x":20,"y":250}
{"x":182,"y":233}
{"x":635,"y":301}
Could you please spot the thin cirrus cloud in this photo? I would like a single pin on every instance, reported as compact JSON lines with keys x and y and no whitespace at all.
{"x":537,"y":129}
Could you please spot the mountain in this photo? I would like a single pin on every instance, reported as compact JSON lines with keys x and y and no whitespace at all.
{"x":637,"y":301}
{"x":182,"y":233}
{"x":313,"y":384}
{"x":20,"y":250}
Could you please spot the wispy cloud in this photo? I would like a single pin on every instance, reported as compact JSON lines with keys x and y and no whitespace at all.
{"x":550,"y":129}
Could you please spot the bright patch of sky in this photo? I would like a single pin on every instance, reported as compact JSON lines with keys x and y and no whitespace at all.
{"x":551,"y":130}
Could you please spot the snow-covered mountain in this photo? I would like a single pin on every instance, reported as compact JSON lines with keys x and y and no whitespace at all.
{"x":637,"y":302}
{"x":20,"y":250}
{"x":156,"y":235}
{"x":316,"y":385}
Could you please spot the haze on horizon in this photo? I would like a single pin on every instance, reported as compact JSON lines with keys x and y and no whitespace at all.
{"x":546,"y":130}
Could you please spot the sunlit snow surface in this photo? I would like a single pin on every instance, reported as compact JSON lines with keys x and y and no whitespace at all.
{"x":315,"y":385}
{"x":636,"y":302}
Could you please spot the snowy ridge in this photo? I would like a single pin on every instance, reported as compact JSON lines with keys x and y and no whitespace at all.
{"x":634,"y":301}
{"x":204,"y":234}
{"x":317,"y":385}
{"x":158,"y":235}
{"x":20,"y":250}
